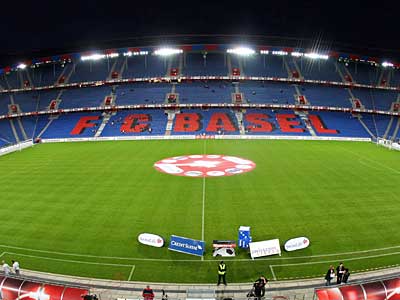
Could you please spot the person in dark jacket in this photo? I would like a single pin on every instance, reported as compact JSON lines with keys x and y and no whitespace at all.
{"x":339,"y":273}
{"x":330,"y":275}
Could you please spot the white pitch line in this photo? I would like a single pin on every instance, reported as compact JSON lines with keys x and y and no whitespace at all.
{"x":203,"y":202}
{"x":131,"y":273}
{"x":272,"y":271}
{"x":373,"y":161}
{"x":192,"y":260}
{"x":1,"y":255}
{"x":329,"y":261}
{"x":69,"y":260}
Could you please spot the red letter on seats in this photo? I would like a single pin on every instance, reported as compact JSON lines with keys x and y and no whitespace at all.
{"x":258,"y":123}
{"x":319,"y":126}
{"x":84,"y":123}
{"x":220,"y":121}
{"x":187,"y":122}
{"x":286,"y":125}
{"x":133,"y":123}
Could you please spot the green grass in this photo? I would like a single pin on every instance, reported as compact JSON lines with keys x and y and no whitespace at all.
{"x":84,"y":204}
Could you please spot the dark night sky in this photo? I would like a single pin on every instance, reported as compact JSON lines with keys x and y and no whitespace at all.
{"x":35,"y":28}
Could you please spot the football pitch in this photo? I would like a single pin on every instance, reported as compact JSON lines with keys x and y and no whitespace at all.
{"x":78,"y":208}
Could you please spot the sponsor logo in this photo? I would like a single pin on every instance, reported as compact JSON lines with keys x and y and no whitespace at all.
{"x":297,"y":244}
{"x":151,"y":240}
{"x":224,"y":252}
{"x":186,"y":245}
{"x":204,"y":165}
{"x":265,"y":248}
{"x":224,"y":244}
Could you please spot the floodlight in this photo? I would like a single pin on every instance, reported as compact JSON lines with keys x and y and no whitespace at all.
{"x":167,"y":51}
{"x":297,"y":54}
{"x":314,"y":55}
{"x":21,"y":66}
{"x":279,"y":53}
{"x":135,"y":53}
{"x":243,"y":51}
{"x":93,"y":57}
{"x":112,"y":55}
{"x":264,"y":52}
{"x":387,"y":64}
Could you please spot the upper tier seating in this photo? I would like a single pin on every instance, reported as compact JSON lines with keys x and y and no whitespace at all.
{"x":142,"y":93}
{"x":205,"y":92}
{"x":91,"y":71}
{"x":268,"y":92}
{"x":84,"y":97}
{"x":326,"y":96}
{"x":146,"y":66}
{"x":265,"y":65}
{"x":318,"y":70}
{"x":196,"y":64}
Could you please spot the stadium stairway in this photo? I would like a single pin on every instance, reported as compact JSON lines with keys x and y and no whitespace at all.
{"x":106,"y":117}
{"x":396,"y":130}
{"x":295,"y":289}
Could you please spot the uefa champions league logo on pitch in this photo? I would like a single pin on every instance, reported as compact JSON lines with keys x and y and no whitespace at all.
{"x":204,"y":165}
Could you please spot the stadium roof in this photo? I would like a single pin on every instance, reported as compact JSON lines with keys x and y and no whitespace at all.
{"x":35,"y":30}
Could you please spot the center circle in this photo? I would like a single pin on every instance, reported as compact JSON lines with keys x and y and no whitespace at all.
{"x":206,"y":165}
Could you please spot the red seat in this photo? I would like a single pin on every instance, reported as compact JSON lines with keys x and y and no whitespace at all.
{"x":236,"y":72}
{"x":108,"y":100}
{"x":26,"y":83}
{"x":238,"y":98}
{"x":53,"y":104}
{"x":348,"y":78}
{"x":302,"y":100}
{"x":61,"y":80}
{"x":172,"y":98}
{"x":295,"y":74}
{"x":174,"y":72}
{"x":14,"y":108}
{"x":114,"y":75}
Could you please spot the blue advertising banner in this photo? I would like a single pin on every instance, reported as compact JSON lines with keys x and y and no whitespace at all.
{"x":185,"y":245}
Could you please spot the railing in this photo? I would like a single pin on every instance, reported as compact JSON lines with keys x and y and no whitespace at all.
{"x":199,"y":78}
{"x":203,"y":106}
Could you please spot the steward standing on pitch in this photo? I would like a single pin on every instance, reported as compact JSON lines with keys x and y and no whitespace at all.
{"x":221,"y":272}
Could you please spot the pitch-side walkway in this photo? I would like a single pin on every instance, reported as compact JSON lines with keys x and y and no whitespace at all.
{"x":111,"y":289}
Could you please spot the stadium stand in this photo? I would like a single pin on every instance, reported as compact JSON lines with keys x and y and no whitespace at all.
{"x":152,"y":81}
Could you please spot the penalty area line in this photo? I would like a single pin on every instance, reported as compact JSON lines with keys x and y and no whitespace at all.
{"x":131,"y":273}
{"x":272,"y":272}
{"x":330,"y":261}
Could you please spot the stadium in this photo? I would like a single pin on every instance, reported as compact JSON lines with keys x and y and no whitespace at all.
{"x":194,"y":141}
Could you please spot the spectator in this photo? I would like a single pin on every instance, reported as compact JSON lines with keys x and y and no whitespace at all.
{"x":15,"y":266}
{"x":164,"y":295}
{"x":259,"y":286}
{"x":339,"y":273}
{"x":346,"y":275}
{"x":330,"y":275}
{"x":6,"y":268}
{"x":148,"y":293}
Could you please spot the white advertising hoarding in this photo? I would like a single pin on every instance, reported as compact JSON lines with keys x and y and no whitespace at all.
{"x":265,"y":248}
